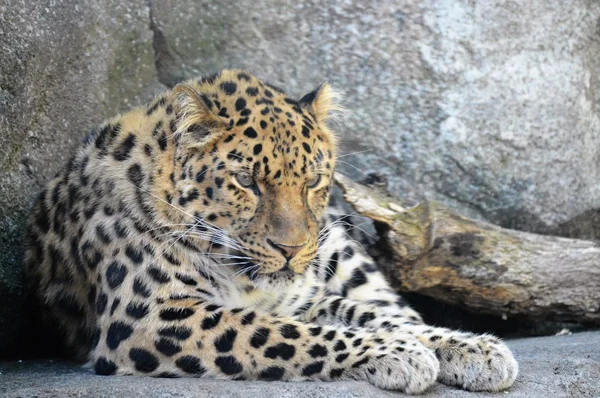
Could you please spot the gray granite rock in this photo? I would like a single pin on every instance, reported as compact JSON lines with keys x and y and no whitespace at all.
{"x":565,"y":366}
{"x":492,"y":107}
{"x":65,"y":66}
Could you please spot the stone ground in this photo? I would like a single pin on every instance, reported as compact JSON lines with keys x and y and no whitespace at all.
{"x":557,"y":366}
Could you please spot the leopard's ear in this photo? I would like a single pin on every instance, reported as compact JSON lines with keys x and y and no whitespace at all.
{"x":322,"y":102}
{"x":197,"y":124}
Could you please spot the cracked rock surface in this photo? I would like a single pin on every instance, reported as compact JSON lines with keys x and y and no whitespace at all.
{"x":564,"y":366}
{"x":492,"y":107}
{"x":65,"y":67}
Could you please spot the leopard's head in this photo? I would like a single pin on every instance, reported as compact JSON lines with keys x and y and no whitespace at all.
{"x":255,"y":170}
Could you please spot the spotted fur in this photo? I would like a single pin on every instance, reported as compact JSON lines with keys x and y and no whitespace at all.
{"x":191,"y":238}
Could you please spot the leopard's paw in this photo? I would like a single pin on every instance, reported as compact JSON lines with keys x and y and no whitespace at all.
{"x":477,"y":363}
{"x":409,"y":367}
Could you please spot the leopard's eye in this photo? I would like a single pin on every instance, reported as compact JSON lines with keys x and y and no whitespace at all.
{"x":313,"y":182}
{"x":244,"y":179}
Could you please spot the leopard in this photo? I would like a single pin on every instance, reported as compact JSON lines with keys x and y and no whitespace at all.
{"x":194,"y":237}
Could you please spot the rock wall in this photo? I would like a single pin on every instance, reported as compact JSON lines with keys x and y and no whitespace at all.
{"x":492,"y":107}
{"x":65,"y":66}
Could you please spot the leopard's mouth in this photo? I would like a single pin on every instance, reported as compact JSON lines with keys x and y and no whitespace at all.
{"x":251,"y":268}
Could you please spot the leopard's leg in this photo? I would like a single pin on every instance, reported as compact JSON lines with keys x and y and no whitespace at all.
{"x":473,"y":362}
{"x":347,"y":271}
{"x":192,"y":338}
{"x":365,"y":299}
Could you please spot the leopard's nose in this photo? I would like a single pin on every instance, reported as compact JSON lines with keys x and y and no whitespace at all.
{"x":288,"y":251}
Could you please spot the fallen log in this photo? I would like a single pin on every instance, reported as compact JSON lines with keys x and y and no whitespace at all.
{"x":429,"y":249}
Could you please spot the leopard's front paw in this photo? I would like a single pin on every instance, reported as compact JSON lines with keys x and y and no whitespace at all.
{"x":476,"y":363}
{"x":407,"y":366}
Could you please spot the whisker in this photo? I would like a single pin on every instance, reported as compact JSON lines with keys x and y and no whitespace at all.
{"x":346,"y":215}
{"x":245,"y":270}
{"x":164,"y":201}
{"x":205,"y":223}
{"x":344,"y":173}
{"x":357,"y":226}
{"x":354,"y":153}
{"x":353,"y":166}
{"x":171,"y":246}
{"x":230,"y":256}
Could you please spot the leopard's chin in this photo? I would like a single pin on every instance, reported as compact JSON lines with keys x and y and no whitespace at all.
{"x":275,"y":282}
